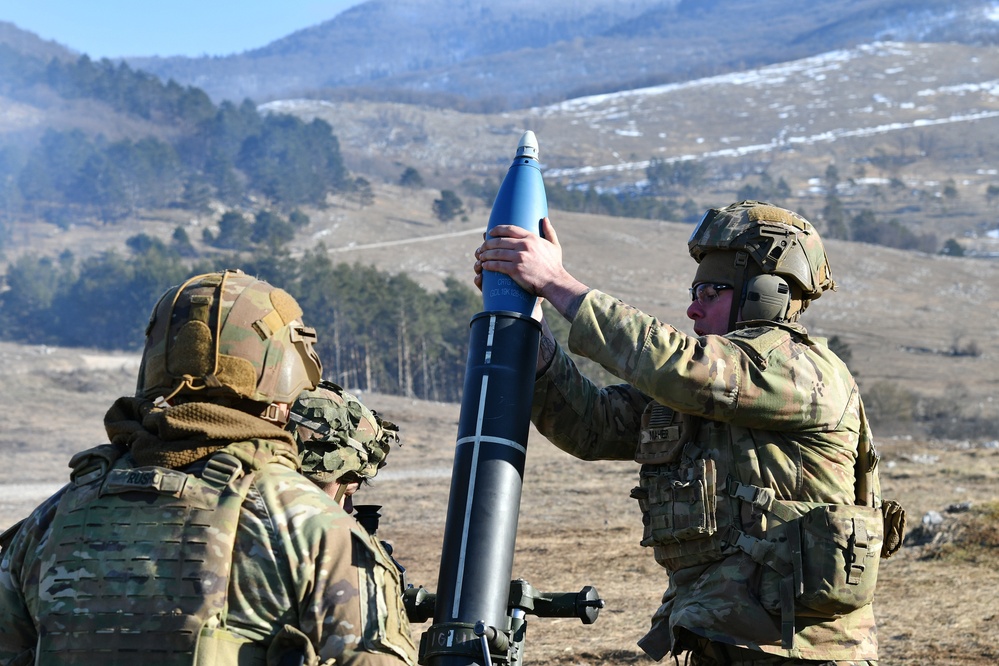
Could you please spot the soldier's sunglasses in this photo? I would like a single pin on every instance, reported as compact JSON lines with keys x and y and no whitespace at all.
{"x":707,"y":292}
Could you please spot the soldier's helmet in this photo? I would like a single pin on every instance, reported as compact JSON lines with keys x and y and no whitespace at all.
{"x":338,"y":436}
{"x":749,"y":239}
{"x":227,"y":336}
{"x":780,"y":241}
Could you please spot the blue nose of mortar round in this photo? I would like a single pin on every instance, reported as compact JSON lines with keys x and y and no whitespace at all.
{"x":522,"y":202}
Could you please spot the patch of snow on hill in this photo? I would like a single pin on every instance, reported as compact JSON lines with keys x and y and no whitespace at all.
{"x":988,"y":87}
{"x":604,"y":108}
{"x":291,"y":105}
{"x":829,"y":136}
{"x":815,"y":68}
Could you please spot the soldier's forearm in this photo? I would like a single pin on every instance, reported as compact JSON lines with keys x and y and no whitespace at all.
{"x":566,"y":295}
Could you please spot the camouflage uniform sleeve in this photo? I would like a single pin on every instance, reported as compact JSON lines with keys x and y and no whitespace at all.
{"x":18,"y":586}
{"x":17,"y":632}
{"x":742,"y":378}
{"x":587,"y":421}
{"x":346,"y":592}
{"x":374,"y":613}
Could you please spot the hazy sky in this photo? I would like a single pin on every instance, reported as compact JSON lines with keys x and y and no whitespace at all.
{"x":116,"y":28}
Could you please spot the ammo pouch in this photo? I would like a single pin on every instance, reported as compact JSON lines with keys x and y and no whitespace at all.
{"x":679,"y":512}
{"x":819,"y":560}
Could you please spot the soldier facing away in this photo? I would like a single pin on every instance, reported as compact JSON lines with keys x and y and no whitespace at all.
{"x":758,"y":487}
{"x":341,"y":443}
{"x":192,"y":538}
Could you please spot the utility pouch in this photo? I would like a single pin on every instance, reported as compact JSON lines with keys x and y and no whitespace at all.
{"x":679,"y":511}
{"x":831,"y":554}
{"x":840,"y":553}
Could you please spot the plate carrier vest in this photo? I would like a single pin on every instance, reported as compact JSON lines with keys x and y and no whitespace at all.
{"x":137,"y":565}
{"x":818,"y":559}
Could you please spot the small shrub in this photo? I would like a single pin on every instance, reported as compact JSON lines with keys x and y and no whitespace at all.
{"x":970,"y":348}
{"x":952,"y":248}
{"x":448,"y":207}
{"x":890,"y":406}
{"x":411,"y":178}
{"x":967,"y":533}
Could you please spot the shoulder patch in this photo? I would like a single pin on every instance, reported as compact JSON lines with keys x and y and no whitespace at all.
{"x":759,"y":342}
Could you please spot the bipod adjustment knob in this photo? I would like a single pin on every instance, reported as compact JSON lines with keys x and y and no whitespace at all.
{"x":588,"y":604}
{"x":585,"y":604}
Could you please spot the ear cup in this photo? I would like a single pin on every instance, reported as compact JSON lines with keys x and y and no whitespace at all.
{"x":767,"y":297}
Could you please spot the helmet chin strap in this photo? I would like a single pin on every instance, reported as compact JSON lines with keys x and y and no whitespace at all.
{"x":738,"y":289}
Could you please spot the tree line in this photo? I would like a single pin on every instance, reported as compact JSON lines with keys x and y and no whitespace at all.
{"x":659,"y":198}
{"x":634,"y":202}
{"x":125,"y":90}
{"x":223,"y":152}
{"x":377,"y":331}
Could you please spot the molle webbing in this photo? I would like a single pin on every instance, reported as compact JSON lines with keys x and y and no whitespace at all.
{"x":678,"y":503}
{"x":138,"y":563}
{"x":766,"y":553}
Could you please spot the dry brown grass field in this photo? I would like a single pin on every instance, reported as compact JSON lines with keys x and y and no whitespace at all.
{"x":898,"y":311}
{"x":577,"y":525}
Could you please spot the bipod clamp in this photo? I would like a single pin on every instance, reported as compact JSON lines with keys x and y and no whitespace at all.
{"x":492,"y":640}
{"x":456,"y":642}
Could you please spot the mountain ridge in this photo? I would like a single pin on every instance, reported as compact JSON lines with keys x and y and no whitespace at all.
{"x":30,"y":44}
{"x":532,"y":54}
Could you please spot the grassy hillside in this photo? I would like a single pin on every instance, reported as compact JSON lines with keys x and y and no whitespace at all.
{"x":911,"y":129}
{"x":903,"y":314}
{"x":907,"y":129}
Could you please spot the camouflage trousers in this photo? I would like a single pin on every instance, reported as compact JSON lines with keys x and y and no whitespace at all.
{"x":703,"y":652}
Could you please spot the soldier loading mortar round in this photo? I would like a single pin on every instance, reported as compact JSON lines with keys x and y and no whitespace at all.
{"x":479,"y":613}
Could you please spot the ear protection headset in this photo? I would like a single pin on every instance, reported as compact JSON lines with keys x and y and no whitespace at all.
{"x":767,"y":297}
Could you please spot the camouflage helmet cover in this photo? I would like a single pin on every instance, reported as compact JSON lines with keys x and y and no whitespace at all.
{"x":227,"y":336}
{"x":337,"y":434}
{"x":780,"y":241}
